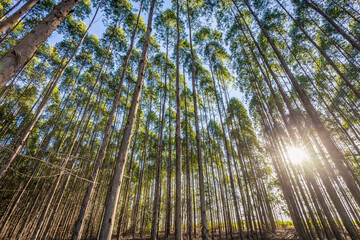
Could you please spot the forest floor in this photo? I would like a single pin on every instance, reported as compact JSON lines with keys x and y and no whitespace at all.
{"x":286,"y":233}
{"x":280,"y":234}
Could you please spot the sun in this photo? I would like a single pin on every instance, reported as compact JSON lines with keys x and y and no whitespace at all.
{"x":296,"y":155}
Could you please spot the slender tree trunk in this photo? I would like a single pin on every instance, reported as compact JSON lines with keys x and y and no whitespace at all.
{"x":135,"y":211}
{"x":112,"y":197}
{"x":168,"y":180}
{"x":4,"y":25}
{"x":156,"y":205}
{"x":67,"y":157}
{"x":353,"y":42}
{"x":129,"y":173}
{"x":227,"y":155}
{"x":204,"y":231}
{"x":12,"y":8}
{"x":106,"y":137}
{"x":188,"y":187}
{"x":178,"y":217}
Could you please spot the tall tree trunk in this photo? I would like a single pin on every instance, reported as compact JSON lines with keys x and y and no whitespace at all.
{"x":67,"y":157}
{"x":106,"y":138}
{"x":168,"y":181}
{"x":188,"y":187}
{"x":129,"y":173}
{"x":24,"y":50}
{"x":112,"y":197}
{"x":204,"y":231}
{"x":4,"y":25}
{"x":135,"y":211}
{"x":353,"y":42}
{"x":12,"y":8}
{"x":213,"y":179}
{"x":178,"y":217}
{"x":156,"y":205}
{"x":227,"y":155}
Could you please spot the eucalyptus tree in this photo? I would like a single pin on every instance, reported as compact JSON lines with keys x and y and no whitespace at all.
{"x":148,"y":95}
{"x":178,"y":159}
{"x":68,"y":112}
{"x":106,"y":138}
{"x":289,"y":132}
{"x":323,"y":53}
{"x":161,"y":59}
{"x":119,"y":36}
{"x":116,"y":182}
{"x":187,"y":162}
{"x":217,"y":55}
{"x":168,"y":208}
{"x":192,"y":11}
{"x":165,"y":24}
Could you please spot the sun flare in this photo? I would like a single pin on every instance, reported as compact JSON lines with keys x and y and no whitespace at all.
{"x":296,"y":155}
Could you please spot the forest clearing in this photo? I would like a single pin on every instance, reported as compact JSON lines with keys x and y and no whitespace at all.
{"x":181,"y":119}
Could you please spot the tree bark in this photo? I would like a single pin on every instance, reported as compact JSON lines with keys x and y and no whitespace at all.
{"x":12,"y":8}
{"x":112,"y":197}
{"x":156,"y":205}
{"x":178,"y":217}
{"x":204,"y":230}
{"x":129,"y":173}
{"x":188,"y":186}
{"x":168,"y":181}
{"x":24,"y":50}
{"x":4,"y":25}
